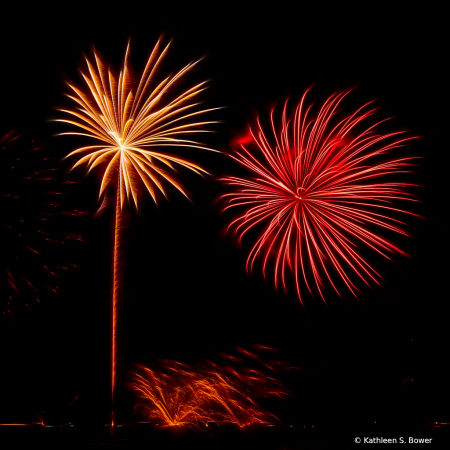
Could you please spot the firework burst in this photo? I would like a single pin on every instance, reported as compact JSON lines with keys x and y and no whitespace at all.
{"x":129,"y":121}
{"x":179,"y":394}
{"x":322,"y":189}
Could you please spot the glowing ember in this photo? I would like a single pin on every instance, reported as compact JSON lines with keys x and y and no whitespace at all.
{"x":320,"y":186}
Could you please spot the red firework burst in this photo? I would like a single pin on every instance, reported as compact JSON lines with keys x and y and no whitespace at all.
{"x":322,"y":190}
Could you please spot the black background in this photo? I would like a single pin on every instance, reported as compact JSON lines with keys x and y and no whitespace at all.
{"x":185,"y":292}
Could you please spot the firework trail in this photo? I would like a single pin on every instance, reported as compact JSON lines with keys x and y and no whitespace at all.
{"x":179,"y":394}
{"x":322,"y":188}
{"x":35,"y":241}
{"x":128,"y":121}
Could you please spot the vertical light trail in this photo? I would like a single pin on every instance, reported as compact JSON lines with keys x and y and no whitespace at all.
{"x":117,"y":226}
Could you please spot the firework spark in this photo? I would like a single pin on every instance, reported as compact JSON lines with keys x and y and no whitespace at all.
{"x":321,"y":184}
{"x":129,"y":120}
{"x":181,"y":395}
{"x":35,"y":241}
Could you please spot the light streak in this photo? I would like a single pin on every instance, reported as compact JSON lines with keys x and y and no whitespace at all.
{"x":117,"y":224}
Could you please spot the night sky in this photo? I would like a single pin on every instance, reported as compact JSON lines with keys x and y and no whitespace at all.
{"x":185,"y":293}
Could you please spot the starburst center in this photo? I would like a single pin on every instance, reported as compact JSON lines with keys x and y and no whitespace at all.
{"x":300,"y":193}
{"x":119,"y":140}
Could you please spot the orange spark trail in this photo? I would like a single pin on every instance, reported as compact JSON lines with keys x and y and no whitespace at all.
{"x":117,"y":225}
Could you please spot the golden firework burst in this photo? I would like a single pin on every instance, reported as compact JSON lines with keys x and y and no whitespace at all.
{"x":132,"y":119}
